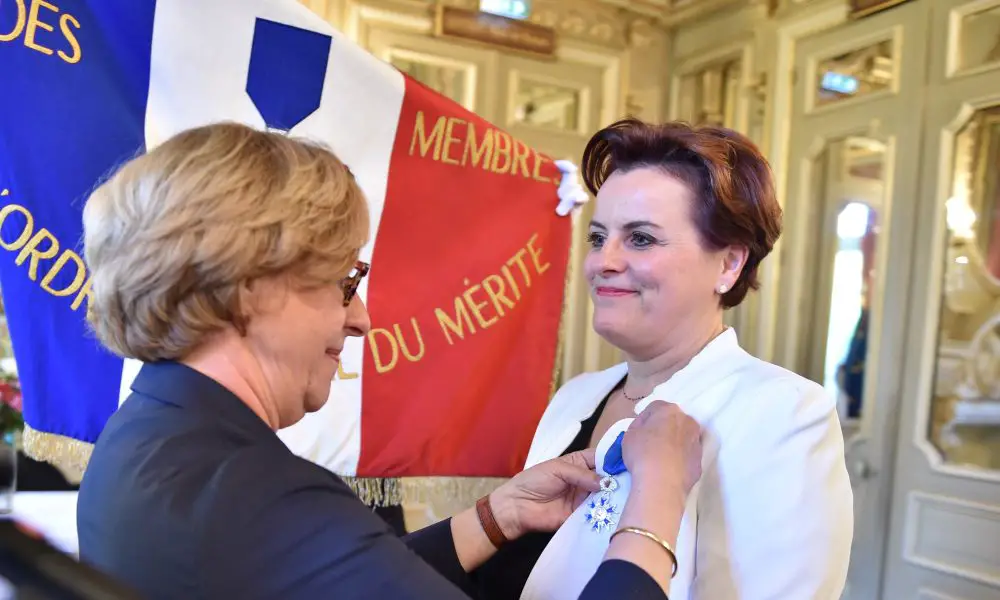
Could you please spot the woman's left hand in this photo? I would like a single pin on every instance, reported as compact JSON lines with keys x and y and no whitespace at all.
{"x":543,"y":497}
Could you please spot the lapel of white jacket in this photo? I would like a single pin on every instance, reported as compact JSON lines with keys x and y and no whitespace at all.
{"x":687,"y":388}
{"x":574,"y":403}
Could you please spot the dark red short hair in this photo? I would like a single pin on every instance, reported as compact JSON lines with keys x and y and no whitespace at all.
{"x":730,"y":180}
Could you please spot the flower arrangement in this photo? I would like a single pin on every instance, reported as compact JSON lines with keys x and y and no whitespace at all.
{"x":11,"y":419}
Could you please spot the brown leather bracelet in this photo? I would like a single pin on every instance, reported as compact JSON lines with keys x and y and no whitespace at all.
{"x":489,"y":522}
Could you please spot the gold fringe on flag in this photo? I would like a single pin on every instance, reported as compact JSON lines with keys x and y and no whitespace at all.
{"x":376,"y":491}
{"x":457,"y":493}
{"x":443,"y":494}
{"x":66,"y":454}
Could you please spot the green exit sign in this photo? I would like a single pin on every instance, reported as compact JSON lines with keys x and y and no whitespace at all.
{"x":512,"y":9}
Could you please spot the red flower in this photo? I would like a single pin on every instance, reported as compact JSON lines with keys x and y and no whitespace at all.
{"x":10,"y":394}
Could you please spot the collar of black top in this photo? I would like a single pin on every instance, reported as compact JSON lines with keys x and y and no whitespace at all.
{"x":181,"y":386}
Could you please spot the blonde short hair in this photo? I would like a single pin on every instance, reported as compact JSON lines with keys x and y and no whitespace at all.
{"x":172,"y":236}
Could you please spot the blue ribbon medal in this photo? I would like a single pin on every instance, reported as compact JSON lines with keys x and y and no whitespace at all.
{"x":286,"y":74}
{"x":614,"y":463}
{"x":602,"y":512}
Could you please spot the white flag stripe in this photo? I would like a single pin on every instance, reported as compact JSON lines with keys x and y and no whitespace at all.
{"x":198,"y":75}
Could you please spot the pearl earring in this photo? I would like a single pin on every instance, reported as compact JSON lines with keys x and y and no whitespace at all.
{"x":723,"y":288}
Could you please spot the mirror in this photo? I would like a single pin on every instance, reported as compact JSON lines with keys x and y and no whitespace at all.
{"x":848,"y":187}
{"x":449,"y":78}
{"x":549,"y":105}
{"x":856,"y":73}
{"x":965,"y":408}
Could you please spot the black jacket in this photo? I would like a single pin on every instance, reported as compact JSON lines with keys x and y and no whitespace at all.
{"x":188,"y":494}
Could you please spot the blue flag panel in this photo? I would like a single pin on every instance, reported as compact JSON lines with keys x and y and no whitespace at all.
{"x":74,"y":76}
{"x":287,"y":71}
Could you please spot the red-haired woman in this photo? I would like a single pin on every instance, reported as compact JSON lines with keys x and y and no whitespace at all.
{"x":683,"y":219}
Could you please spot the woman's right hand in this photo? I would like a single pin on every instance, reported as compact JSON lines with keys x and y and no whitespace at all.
{"x":662,"y":451}
{"x":662,"y":447}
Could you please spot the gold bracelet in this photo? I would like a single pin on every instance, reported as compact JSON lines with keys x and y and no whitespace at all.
{"x":650,"y":535}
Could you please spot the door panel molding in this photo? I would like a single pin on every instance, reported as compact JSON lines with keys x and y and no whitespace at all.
{"x":948,"y":551}
{"x":926,"y":593}
{"x":953,"y":67}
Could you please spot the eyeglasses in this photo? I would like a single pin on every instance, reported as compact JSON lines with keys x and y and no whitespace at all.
{"x":350,"y":283}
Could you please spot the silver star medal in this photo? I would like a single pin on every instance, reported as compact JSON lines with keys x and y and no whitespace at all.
{"x":602,"y":513}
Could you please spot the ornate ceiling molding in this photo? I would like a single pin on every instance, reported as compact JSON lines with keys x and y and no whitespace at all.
{"x":612,"y":23}
{"x":680,"y":12}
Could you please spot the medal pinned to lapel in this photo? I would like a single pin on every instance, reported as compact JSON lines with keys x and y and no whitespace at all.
{"x":603,"y":513}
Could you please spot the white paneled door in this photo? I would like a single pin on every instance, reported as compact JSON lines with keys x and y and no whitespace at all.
{"x":945,"y":534}
{"x":853,"y":157}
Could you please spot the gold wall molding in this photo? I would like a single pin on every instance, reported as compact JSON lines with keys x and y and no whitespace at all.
{"x":601,"y":22}
{"x":614,"y":23}
{"x":589,"y":21}
{"x":681,"y":12}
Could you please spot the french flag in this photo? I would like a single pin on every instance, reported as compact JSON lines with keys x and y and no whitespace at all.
{"x":468,"y":254}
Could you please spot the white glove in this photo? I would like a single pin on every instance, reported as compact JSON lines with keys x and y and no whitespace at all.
{"x":571,"y":192}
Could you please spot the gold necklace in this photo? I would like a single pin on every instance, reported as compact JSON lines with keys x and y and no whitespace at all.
{"x":636,"y":399}
{"x":630,"y":398}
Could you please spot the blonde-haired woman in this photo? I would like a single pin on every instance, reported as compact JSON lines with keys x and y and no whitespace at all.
{"x":226,"y":260}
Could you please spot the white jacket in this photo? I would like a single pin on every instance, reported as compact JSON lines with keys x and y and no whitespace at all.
{"x":772,"y":516}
